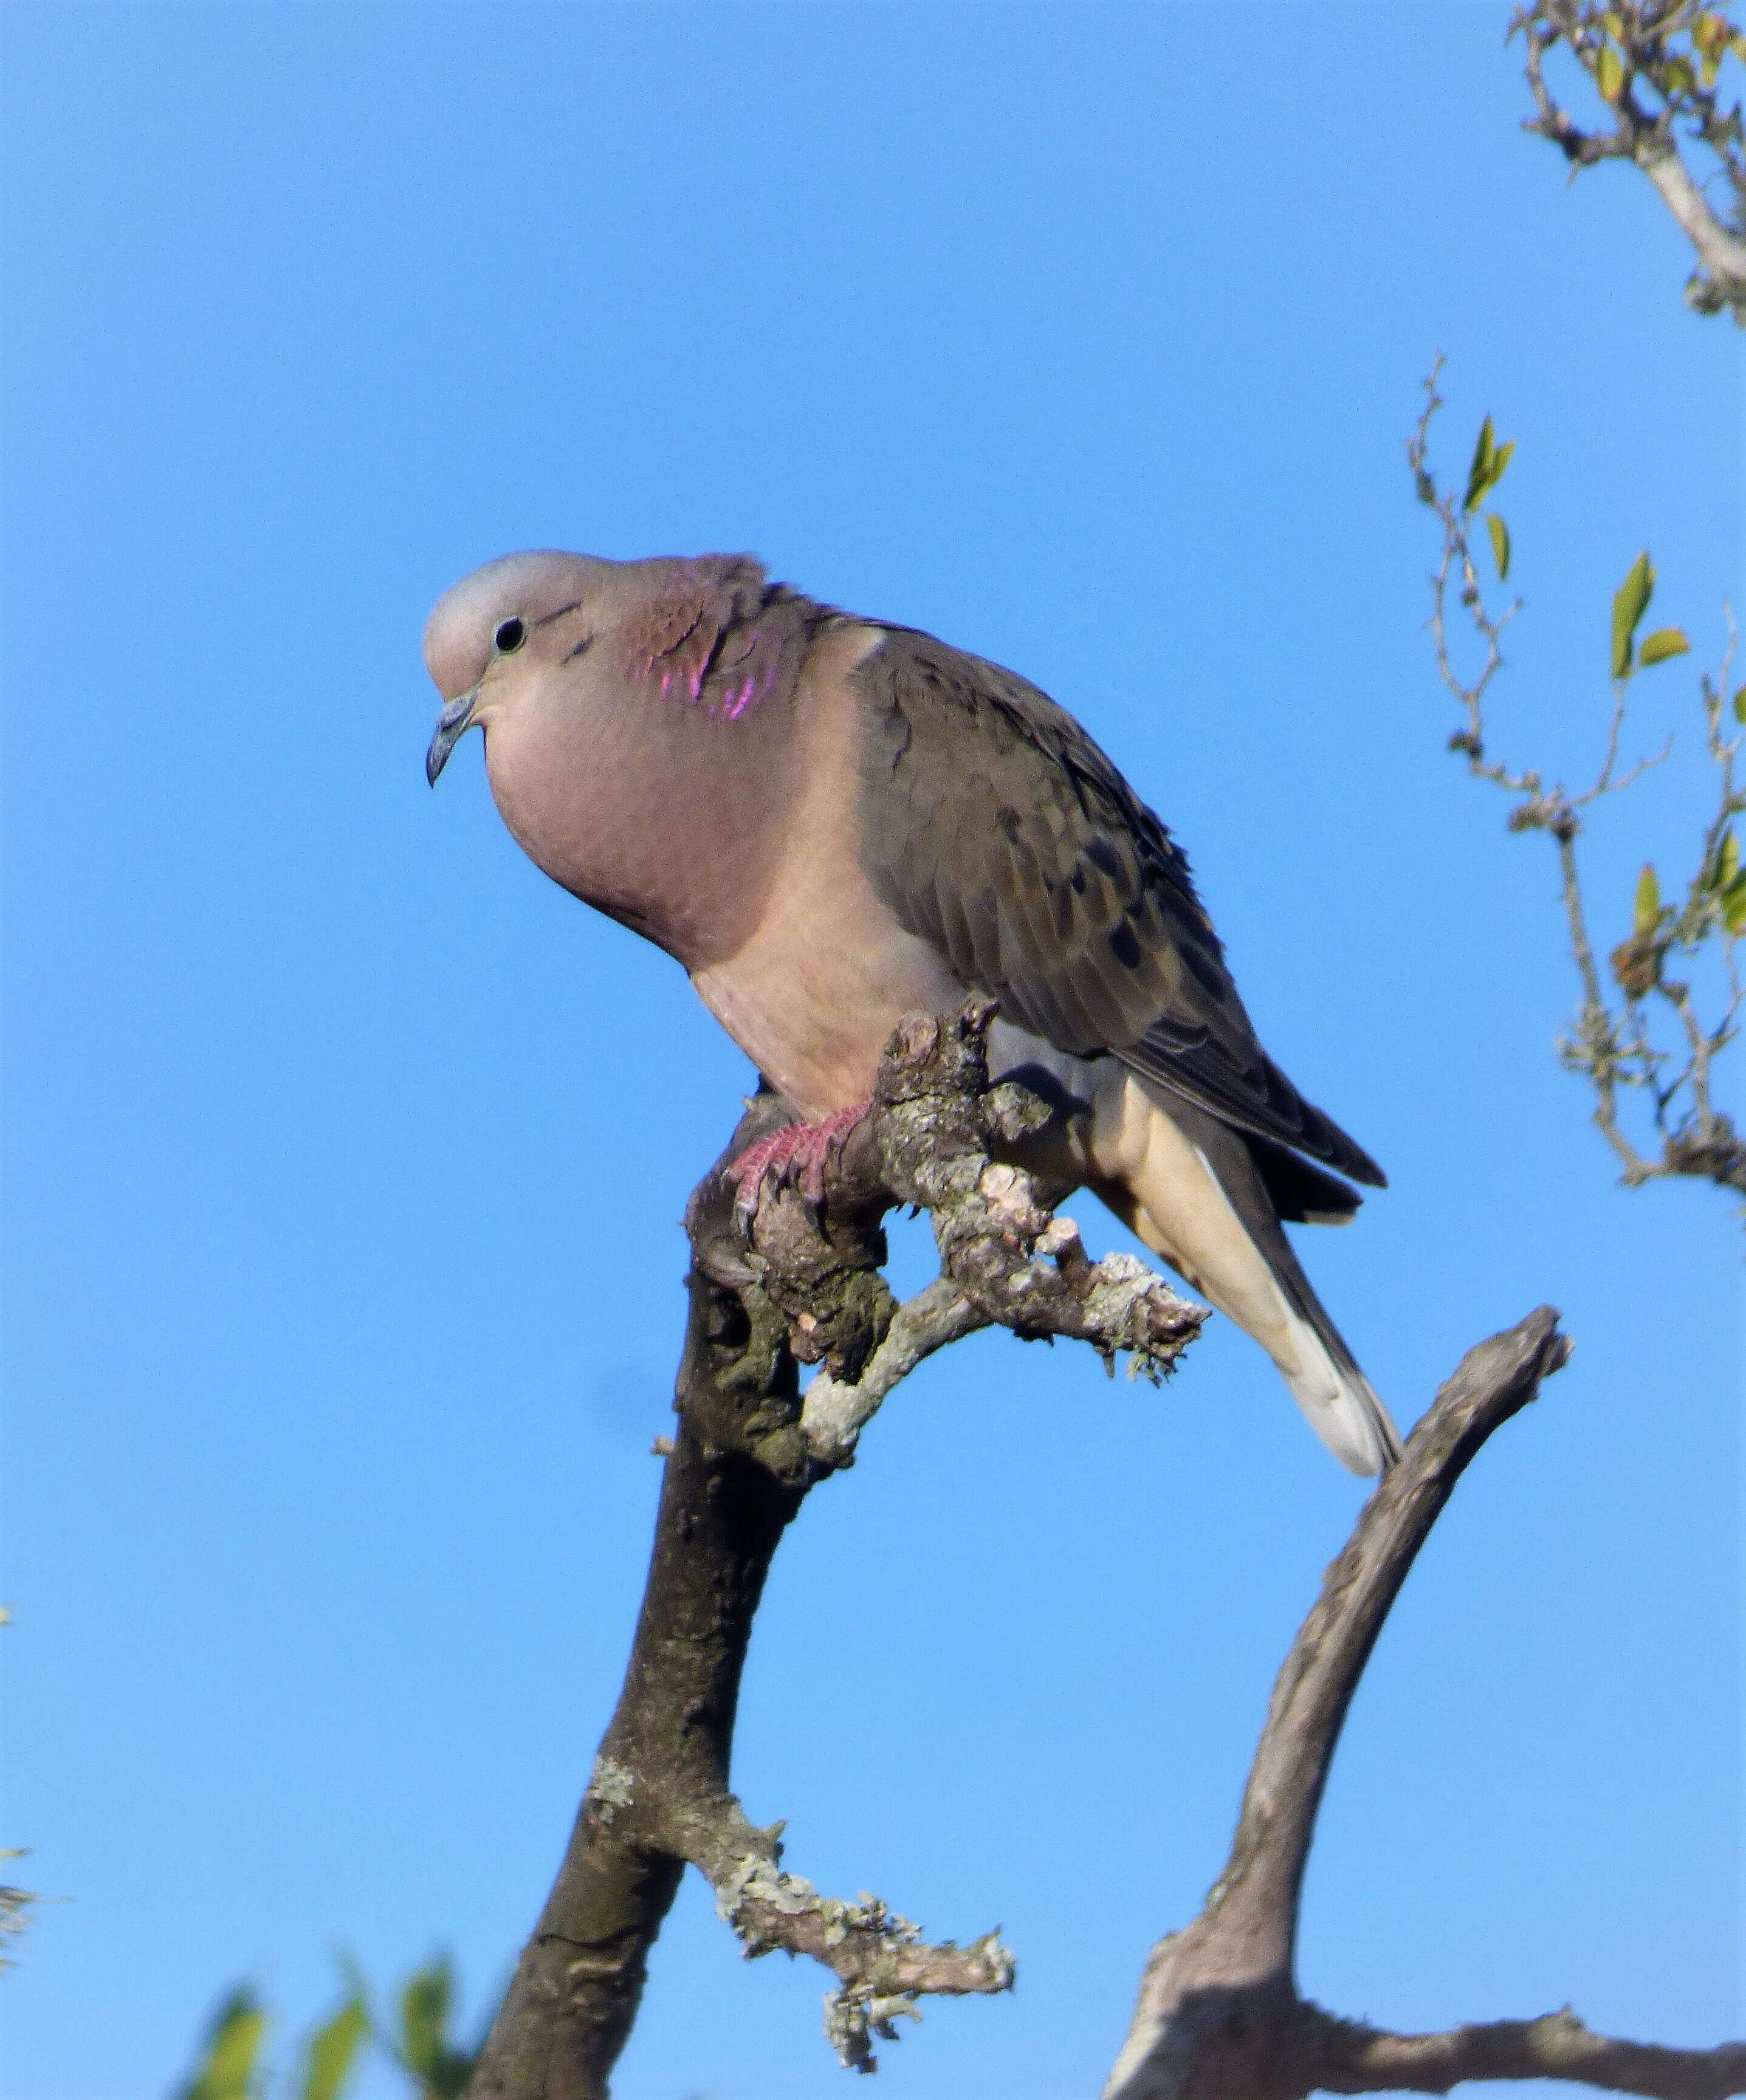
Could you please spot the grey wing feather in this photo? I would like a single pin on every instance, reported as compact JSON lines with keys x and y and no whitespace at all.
{"x":993,"y":826}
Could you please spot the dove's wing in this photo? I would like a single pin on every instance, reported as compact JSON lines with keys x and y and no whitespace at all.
{"x":990,"y":824}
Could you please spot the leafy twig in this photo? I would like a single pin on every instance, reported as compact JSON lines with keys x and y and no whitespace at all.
{"x":1612,"y":1040}
{"x":1656,"y":67}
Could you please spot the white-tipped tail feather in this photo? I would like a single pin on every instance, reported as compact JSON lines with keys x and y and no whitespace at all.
{"x":1341,"y":1406}
{"x":1215,"y":1224}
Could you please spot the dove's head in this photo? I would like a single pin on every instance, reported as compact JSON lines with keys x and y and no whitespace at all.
{"x":636,"y":716}
{"x":492,"y":633}
{"x":574,"y":635}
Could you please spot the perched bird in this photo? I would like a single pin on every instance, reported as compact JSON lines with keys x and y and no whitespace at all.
{"x":831,"y":822}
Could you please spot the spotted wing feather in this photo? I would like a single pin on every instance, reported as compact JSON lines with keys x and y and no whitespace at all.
{"x":993,"y":826}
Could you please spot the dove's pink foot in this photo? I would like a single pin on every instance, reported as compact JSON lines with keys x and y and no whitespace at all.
{"x":804,"y":1145}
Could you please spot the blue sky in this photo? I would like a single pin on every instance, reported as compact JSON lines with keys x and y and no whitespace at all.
{"x":343,"y":1153}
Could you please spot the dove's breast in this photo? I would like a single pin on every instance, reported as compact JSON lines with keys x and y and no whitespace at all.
{"x":826,"y":972}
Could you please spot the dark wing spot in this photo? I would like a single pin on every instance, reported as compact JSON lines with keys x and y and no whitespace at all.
{"x":1125,"y":947}
{"x":1103,"y":855}
{"x":1207,"y":973}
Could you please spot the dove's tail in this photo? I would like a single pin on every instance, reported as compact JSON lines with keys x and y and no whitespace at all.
{"x":1209,"y":1199}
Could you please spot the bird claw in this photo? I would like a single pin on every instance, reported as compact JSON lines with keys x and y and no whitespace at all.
{"x":798,"y":1153}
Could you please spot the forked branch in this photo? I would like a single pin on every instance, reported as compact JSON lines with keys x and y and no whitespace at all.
{"x":798,"y":1281}
{"x":1219,"y":2016}
{"x":1657,"y":67}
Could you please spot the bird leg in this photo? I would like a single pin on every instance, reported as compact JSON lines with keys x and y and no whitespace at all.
{"x":798,"y":1150}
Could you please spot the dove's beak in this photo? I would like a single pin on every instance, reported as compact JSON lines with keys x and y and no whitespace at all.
{"x":451,"y":724}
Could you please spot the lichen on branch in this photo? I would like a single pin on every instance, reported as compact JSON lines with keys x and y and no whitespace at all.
{"x":1006,"y":1258}
{"x":882,"y":1965}
{"x":797,"y":1281}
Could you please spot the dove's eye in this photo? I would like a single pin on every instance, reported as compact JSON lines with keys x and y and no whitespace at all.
{"x":510,"y":636}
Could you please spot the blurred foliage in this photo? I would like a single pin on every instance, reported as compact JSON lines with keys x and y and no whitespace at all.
{"x":232,"y":2065}
{"x":441,"y":2070}
{"x":14,"y":1903}
{"x":15,"y":1906}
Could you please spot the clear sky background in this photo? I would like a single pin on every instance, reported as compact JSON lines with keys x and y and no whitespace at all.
{"x":343,"y":1153}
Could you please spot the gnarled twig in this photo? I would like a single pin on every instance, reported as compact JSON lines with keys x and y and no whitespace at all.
{"x":1005,"y":1258}
{"x":800,"y":1282}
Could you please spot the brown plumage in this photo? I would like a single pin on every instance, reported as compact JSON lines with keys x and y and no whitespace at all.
{"x":830,"y":821}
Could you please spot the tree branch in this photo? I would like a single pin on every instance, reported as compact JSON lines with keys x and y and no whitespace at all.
{"x":798,"y":1281}
{"x":879,"y":1959}
{"x":1354,"y":2058}
{"x":1260,"y":1887}
{"x":730,"y":1487}
{"x":1219,"y":2016}
{"x":1005,"y":1258}
{"x":1671,"y":51}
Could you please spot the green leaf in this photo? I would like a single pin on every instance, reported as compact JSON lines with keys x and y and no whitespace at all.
{"x":1630,"y":603}
{"x":442,"y":2071}
{"x":1499,"y":533}
{"x":1499,"y":460}
{"x":1489,"y":459}
{"x":233,"y":2049}
{"x":1647,"y":915}
{"x":1739,"y":705}
{"x":1665,"y":642}
{"x":332,"y":2051}
{"x":424,"y":2014}
{"x":1481,"y":466}
{"x":1727,"y":862}
{"x":1734,"y":905}
{"x":1609,"y":73}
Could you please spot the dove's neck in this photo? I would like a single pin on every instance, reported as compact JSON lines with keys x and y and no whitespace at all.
{"x":669,"y":816}
{"x":664,"y":818}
